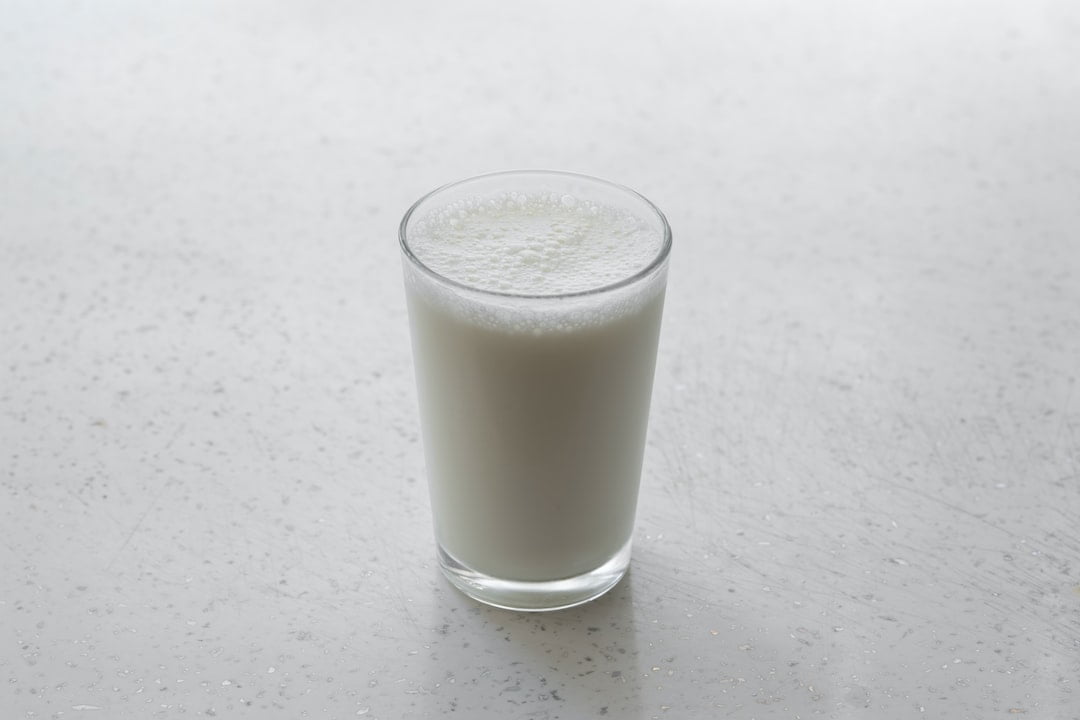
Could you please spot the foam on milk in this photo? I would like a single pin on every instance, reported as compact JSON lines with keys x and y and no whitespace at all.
{"x":539,"y":244}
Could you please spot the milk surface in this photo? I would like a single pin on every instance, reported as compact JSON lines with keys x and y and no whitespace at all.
{"x":534,"y":412}
{"x":541,"y":243}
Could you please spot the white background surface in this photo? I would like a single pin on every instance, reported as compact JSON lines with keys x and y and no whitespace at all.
{"x":862,"y":485}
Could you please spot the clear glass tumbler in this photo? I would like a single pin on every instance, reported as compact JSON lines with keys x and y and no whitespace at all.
{"x":535,"y":301}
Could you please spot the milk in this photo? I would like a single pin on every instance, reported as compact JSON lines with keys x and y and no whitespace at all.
{"x":534,"y":409}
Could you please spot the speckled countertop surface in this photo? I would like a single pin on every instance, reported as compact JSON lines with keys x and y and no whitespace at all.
{"x":862,"y":484}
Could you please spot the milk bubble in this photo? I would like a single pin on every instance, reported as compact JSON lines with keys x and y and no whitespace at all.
{"x":543,"y":244}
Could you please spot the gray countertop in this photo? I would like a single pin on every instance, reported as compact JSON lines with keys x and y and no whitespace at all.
{"x":861,"y":493}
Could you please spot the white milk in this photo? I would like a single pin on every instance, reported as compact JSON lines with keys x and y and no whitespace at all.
{"x":534,"y":411}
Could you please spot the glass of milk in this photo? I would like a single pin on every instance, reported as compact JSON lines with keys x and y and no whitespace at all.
{"x":535,"y":300}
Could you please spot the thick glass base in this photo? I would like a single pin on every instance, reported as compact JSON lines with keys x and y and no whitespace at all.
{"x":529,"y":596}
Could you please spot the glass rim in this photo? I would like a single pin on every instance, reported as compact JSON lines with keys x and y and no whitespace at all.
{"x":653,"y":265}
